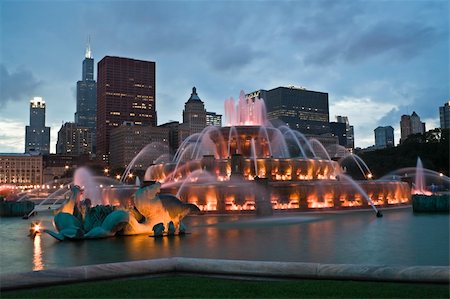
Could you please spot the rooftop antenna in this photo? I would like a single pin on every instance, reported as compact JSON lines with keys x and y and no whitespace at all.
{"x":88,"y":53}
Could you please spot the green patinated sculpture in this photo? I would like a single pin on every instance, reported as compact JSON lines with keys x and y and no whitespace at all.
{"x":150,"y":214}
{"x":157,"y":208}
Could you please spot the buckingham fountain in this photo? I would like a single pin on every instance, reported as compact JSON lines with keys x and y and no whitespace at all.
{"x":249,"y":165}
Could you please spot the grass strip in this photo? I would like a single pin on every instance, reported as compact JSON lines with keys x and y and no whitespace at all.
{"x":209,"y":287}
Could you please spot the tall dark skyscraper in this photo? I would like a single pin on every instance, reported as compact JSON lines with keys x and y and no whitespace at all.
{"x":303,"y":110}
{"x":85,"y":116}
{"x":444,"y":115}
{"x":37,"y":135}
{"x":125,"y":92}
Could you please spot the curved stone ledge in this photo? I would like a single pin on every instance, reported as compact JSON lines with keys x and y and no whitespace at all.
{"x":288,"y":270}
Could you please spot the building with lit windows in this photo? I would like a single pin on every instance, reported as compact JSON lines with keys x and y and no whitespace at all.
{"x":21,"y":169}
{"x":410,"y":125}
{"x":125,"y":92}
{"x":213,"y":119}
{"x":444,"y":115}
{"x":74,"y":139}
{"x":303,"y":110}
{"x":338,"y":129}
{"x":384,"y":137}
{"x":86,"y":113}
{"x":127,"y":140}
{"x":194,"y":114}
{"x":37,"y":135}
{"x":173,"y":127}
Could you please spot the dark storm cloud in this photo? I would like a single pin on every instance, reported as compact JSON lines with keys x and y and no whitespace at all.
{"x":349,"y":32}
{"x":17,"y":85}
{"x":233,"y":57}
{"x":402,"y":40}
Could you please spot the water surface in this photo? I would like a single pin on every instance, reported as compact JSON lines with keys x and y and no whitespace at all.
{"x":399,"y":238}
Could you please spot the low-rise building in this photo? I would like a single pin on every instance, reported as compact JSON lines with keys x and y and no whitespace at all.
{"x":21,"y":169}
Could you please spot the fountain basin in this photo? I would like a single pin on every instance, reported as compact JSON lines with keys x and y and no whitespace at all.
{"x":228,"y":196}
{"x":15,"y":208}
{"x":436,"y":203}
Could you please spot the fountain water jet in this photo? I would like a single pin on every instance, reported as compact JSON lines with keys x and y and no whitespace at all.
{"x":420,"y":185}
{"x":249,"y":147}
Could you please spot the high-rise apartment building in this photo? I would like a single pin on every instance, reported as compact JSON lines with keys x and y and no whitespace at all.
{"x":194,"y":114}
{"x":410,"y":125}
{"x":444,"y":115}
{"x":86,"y":113}
{"x":125,"y":92}
{"x":74,"y":140}
{"x":37,"y":135}
{"x":384,"y":137}
{"x":300,"y":109}
{"x":213,"y":119}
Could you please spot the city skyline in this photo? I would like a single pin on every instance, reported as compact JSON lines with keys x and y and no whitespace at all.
{"x":390,"y":66}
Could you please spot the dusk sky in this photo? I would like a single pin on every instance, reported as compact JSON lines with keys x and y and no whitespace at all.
{"x":377,"y":60}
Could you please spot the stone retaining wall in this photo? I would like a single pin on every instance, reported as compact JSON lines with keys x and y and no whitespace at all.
{"x":261,"y":269}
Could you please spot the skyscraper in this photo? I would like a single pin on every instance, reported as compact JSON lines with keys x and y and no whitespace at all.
{"x":384,"y":137}
{"x":74,"y":140}
{"x":85,"y":116}
{"x":125,"y":92}
{"x":349,"y":132}
{"x":300,"y":109}
{"x":37,"y":135}
{"x":194,"y":113}
{"x":410,"y":125}
{"x":444,"y":115}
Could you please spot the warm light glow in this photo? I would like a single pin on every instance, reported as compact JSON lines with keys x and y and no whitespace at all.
{"x":38,"y":264}
{"x":369,"y":176}
{"x":118,"y":177}
{"x":37,"y":228}
{"x":106,"y":170}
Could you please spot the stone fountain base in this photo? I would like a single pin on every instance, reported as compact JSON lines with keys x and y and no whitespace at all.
{"x":436,"y":203}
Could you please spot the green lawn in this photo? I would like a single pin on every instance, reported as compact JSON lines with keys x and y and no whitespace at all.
{"x":207,"y":287}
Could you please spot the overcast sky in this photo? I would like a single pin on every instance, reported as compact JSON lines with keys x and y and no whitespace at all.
{"x":377,"y":60}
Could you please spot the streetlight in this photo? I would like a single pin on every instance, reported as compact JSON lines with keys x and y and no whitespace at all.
{"x":106,"y":171}
{"x":118,"y":177}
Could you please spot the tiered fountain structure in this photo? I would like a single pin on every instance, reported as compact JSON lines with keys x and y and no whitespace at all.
{"x":250,"y":165}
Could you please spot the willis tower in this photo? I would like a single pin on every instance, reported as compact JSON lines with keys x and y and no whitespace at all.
{"x":85,"y":116}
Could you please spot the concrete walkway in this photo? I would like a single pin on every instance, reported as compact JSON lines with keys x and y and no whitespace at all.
{"x":260,"y":269}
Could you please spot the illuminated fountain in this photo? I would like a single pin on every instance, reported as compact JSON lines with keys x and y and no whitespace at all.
{"x":430,"y":198}
{"x":249,"y":164}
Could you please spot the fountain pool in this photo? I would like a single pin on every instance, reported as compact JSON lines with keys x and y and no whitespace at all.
{"x":399,"y":238}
